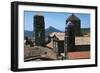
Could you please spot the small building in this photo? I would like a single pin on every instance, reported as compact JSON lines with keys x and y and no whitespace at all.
{"x":57,"y":39}
{"x":58,"y":45}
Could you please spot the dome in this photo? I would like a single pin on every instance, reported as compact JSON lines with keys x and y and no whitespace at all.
{"x":73,"y":22}
{"x":73,"y":18}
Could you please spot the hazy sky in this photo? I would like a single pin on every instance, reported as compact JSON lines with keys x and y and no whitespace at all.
{"x":55,"y":19}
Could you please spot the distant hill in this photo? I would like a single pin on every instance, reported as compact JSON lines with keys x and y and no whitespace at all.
{"x":47,"y":32}
{"x":28,"y":33}
{"x":51,"y":29}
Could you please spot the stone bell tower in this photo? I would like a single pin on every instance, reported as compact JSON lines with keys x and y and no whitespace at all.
{"x":72,"y":29}
{"x":39,"y":30}
{"x":69,"y":45}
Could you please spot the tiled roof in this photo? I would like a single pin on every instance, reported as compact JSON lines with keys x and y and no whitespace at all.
{"x":81,"y":40}
{"x":38,"y":51}
{"x":59,"y":35}
{"x":85,"y":40}
{"x":79,"y":55}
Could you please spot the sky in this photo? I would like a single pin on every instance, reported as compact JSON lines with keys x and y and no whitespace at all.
{"x":55,"y":19}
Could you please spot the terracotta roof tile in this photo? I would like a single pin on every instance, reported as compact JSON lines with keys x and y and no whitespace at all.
{"x":79,"y":55}
{"x":81,"y":40}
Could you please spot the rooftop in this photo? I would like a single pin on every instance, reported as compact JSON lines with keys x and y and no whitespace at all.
{"x":79,"y":40}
